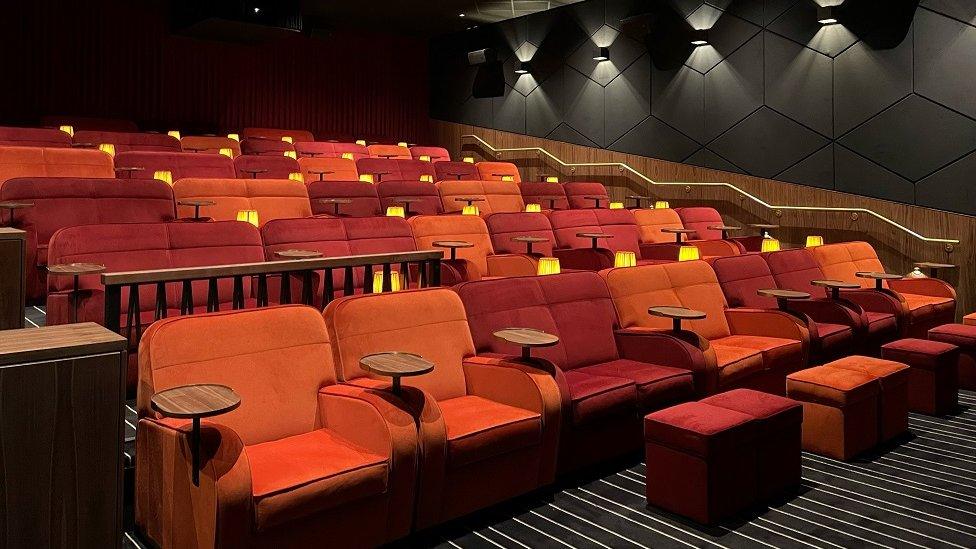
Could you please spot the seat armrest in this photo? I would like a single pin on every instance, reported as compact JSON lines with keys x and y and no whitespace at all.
{"x":457,"y":271}
{"x":664,"y":251}
{"x":584,"y":259}
{"x":512,"y":265}
{"x":933,"y":287}
{"x":876,"y":301}
{"x":768,"y":323}
{"x":748,"y":243}
{"x":829,"y":311}
{"x":684,"y":349}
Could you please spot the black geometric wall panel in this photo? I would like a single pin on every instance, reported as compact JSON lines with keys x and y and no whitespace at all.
{"x":774,"y":93}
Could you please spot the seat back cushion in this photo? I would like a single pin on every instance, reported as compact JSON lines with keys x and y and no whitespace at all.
{"x":382,"y":169}
{"x":504,"y":226}
{"x":622,"y":225}
{"x":740,"y":276}
{"x":130,"y":141}
{"x":315,"y":149}
{"x":54,"y":162}
{"x":650,"y":222}
{"x":575,"y":306}
{"x":265,"y":167}
{"x":577,"y":191}
{"x":33,"y":137}
{"x":179,"y":164}
{"x":272,"y":198}
{"x":90,"y":123}
{"x":276,"y":359}
{"x":455,"y":170}
{"x":548,"y":195}
{"x":497,"y":171}
{"x":389,"y":151}
{"x":415,"y":170}
{"x":357,"y":151}
{"x":430,"y":323}
{"x":210,"y":144}
{"x":794,"y":269}
{"x":322,"y":168}
{"x":365,"y":203}
{"x":277,"y":133}
{"x":566,"y":224}
{"x":257,"y":146}
{"x":429,"y":202}
{"x":690,"y":284}
{"x":498,"y":196}
{"x":434,"y":154}
{"x":840,"y":261}
{"x":471,"y":228}
{"x":699,"y":219}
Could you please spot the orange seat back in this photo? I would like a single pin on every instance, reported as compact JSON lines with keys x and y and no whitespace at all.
{"x":498,"y":171}
{"x":389,"y":151}
{"x":53,"y":162}
{"x":840,"y":261}
{"x":339,"y":169}
{"x":650,"y":223}
{"x":499,"y":196}
{"x":210,"y":144}
{"x":277,"y":134}
{"x":471,"y":228}
{"x":272,"y":198}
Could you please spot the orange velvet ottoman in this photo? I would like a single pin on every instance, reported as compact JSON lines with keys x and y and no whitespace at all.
{"x":778,"y":441}
{"x":701,"y":461}
{"x":840,"y":410}
{"x":964,"y":337}
{"x":933,"y":374}
{"x":893,"y":383}
{"x":970,"y":319}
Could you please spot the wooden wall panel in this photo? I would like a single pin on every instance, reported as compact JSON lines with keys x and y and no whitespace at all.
{"x":898,"y":250}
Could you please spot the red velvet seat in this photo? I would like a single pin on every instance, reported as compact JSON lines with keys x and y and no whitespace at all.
{"x":606,"y":385}
{"x":211,"y":144}
{"x":248,"y":166}
{"x":90,"y":123}
{"x":577,"y":191}
{"x":700,"y":218}
{"x":33,"y":137}
{"x":541,"y":193}
{"x":129,"y":141}
{"x":504,"y":226}
{"x":67,"y":202}
{"x":179,"y":164}
{"x":394,"y":169}
{"x":365,"y":202}
{"x":497,"y":196}
{"x":444,"y":171}
{"x":259,"y":146}
{"x":275,"y":134}
{"x":378,"y":150}
{"x":432,"y":154}
{"x":964,"y":337}
{"x":316,"y":149}
{"x":353,"y":150}
{"x":566,"y":224}
{"x":428,"y":200}
{"x":652,"y":223}
{"x":270,"y":198}
{"x":933,"y":375}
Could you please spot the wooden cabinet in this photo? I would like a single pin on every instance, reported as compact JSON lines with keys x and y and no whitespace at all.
{"x":13,"y":259}
{"x":61,"y":430}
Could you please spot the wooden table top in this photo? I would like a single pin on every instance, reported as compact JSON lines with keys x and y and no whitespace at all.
{"x":452,"y":244}
{"x":195,"y":401}
{"x":530,"y":239}
{"x":75,"y":268}
{"x":251,"y":170}
{"x":638,"y":197}
{"x":835,"y":284}
{"x":676,"y":312}
{"x":396,"y":364}
{"x":527,"y":337}
{"x":298,"y":254}
{"x":16,"y":205}
{"x":594,"y":235}
{"x":548,"y":196}
{"x":334,"y":200}
{"x":196,"y":202}
{"x":469,"y":199}
{"x":132,"y":168}
{"x":877,"y":275}
{"x":677,"y":230}
{"x":321,"y":172}
{"x":782,"y":294}
{"x":406,"y":200}
{"x":724,"y":228}
{"x":763,"y":226}
{"x":930,"y":265}
{"x":597,"y":197}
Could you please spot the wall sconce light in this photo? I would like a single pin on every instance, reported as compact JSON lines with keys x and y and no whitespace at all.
{"x":699,"y":37}
{"x":165,"y":176}
{"x":602,"y":54}
{"x":229,"y":153}
{"x":296,"y":176}
{"x":70,"y":130}
{"x":395,"y":211}
{"x":770,"y":245}
{"x":287,"y":139}
{"x":471,"y":209}
{"x":234,"y":136}
{"x":827,"y":15}
{"x":548,"y":266}
{"x":813,"y":241}
{"x":378,"y":282}
{"x":662,"y":205}
{"x":107,"y":148}
{"x":688,"y":253}
{"x":616,"y":205}
{"x":625,"y":259}
{"x":174,"y":133}
{"x":533,"y":208}
{"x":523,"y":67}
{"x":248,"y":216}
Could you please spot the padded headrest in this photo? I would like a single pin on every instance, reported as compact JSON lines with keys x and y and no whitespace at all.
{"x":273,"y":167}
{"x":54,"y":162}
{"x":277,"y":133}
{"x":210,"y":144}
{"x":179,"y":164}
{"x":265,"y":147}
{"x":741,"y":276}
{"x":33,"y":137}
{"x":126,"y":141}
{"x":455,"y":170}
{"x":498,"y":170}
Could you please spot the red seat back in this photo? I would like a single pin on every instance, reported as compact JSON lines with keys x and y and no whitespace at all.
{"x":504,"y":226}
{"x":248,"y":166}
{"x":794,"y":269}
{"x":740,"y":276}
{"x":365,"y":202}
{"x":129,"y":141}
{"x":455,"y":170}
{"x":33,"y":137}
{"x":180,"y":165}
{"x":699,"y":219}
{"x":265,"y":147}
{"x":393,"y":169}
{"x":276,"y":134}
{"x":433,"y":154}
{"x":428,"y":203}
{"x":538,"y":192}
{"x":577,"y":191}
{"x":619,"y":223}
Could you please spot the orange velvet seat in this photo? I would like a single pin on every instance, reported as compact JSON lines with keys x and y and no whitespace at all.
{"x":272,"y":198}
{"x":478,"y":428}
{"x":389,"y":151}
{"x":53,"y":162}
{"x":300,"y":460}
{"x":969,"y":319}
{"x":497,"y":196}
{"x":210,"y":144}
{"x":498,"y":171}
{"x":328,"y":169}
{"x":650,"y":223}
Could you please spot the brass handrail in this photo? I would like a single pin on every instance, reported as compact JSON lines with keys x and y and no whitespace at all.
{"x":752,"y":197}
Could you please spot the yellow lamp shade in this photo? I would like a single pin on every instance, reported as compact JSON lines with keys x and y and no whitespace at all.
{"x":813,"y":241}
{"x":661,"y":205}
{"x":469,"y":159}
{"x":107,"y":148}
{"x":548,"y":266}
{"x":424,"y":158}
{"x":552,"y":179}
{"x":402,"y":144}
{"x":395,"y":282}
{"x":250,"y":216}
{"x":770,"y":245}
{"x":625,"y":259}
{"x":689,"y":253}
{"x":164,"y":175}
{"x":229,"y":153}
{"x":296,"y":176}
{"x":347,"y":156}
{"x":174,"y":133}
{"x":616,"y":205}
{"x":533,"y":208}
{"x":70,"y":130}
{"x":366,"y":177}
{"x":508,"y":178}
{"x":287,"y":139}
{"x":291,"y":154}
{"x":471,"y":209}
{"x":395,"y":211}
{"x":234,"y":136}
{"x":361,"y":142}
{"x":427,"y":178}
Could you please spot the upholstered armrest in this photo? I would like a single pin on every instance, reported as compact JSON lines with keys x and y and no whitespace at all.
{"x":512,"y":265}
{"x":457,"y":271}
{"x":715,"y":248}
{"x":173,"y":511}
{"x":664,"y":251}
{"x":829,"y":311}
{"x":767,"y":322}
{"x":748,"y":243}
{"x":584,"y":259}
{"x":875,"y":301}
{"x":923,"y":286}
{"x":683,"y":349}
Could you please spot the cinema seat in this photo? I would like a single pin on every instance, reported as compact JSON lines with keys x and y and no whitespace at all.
{"x":179,"y":164}
{"x":498,"y":196}
{"x":433,"y":154}
{"x":53,"y":162}
{"x":90,"y":123}
{"x":700,"y":218}
{"x":395,"y":169}
{"x":249,"y":166}
{"x":66,"y":202}
{"x":354,"y":150}
{"x":549,"y":196}
{"x":607,"y":381}
{"x":272,"y":198}
{"x":488,"y":426}
{"x":748,"y":348}
{"x":620,"y":224}
{"x":365,"y":202}
{"x":650,"y":223}
{"x":276,"y":134}
{"x":455,"y":170}
{"x":395,"y":152}
{"x":831,"y":325}
{"x":919,"y":303}
{"x":322,"y":168}
{"x":794,"y":269}
{"x":498,"y":171}
{"x":147,"y":246}
{"x":34,"y":137}
{"x":210,"y":144}
{"x":473,"y":263}
{"x":427,"y":199}
{"x":577,"y":191}
{"x":128,"y":141}
{"x":259,"y":146}
{"x":311,"y":460}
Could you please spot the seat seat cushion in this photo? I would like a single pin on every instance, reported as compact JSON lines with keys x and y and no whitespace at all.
{"x":923,"y":305}
{"x":308,"y":473}
{"x":834,"y":336}
{"x":478,"y":428}
{"x":777,"y":353}
{"x":735,"y":363}
{"x":657,"y":386}
{"x":881,"y":322}
{"x":594,"y":396}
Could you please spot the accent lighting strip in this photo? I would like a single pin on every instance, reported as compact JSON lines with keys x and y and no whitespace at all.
{"x":752,"y":197}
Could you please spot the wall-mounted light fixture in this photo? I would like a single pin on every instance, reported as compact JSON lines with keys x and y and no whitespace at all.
{"x":523,"y":67}
{"x":827,"y":15}
{"x":602,"y":54}
{"x":699,"y":37}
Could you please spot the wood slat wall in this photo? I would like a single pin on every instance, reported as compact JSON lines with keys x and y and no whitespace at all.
{"x":897,"y":249}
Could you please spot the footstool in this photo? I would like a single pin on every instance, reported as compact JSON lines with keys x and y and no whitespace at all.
{"x":779,"y":432}
{"x":964,"y":337}
{"x":970,"y":319}
{"x":701,"y":461}
{"x":892,"y":400}
{"x":933,"y":375}
{"x":840,"y":410}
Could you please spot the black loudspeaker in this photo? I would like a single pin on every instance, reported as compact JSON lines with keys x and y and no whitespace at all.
{"x":480,"y":57}
{"x":490,"y":80}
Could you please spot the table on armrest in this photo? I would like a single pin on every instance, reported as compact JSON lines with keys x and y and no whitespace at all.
{"x":196,"y":205}
{"x":594,"y":236}
{"x":453,"y":245}
{"x":75,"y":270}
{"x":469,"y":199}
{"x":527,"y":338}
{"x":783,"y":297}
{"x":764,"y":228}
{"x":878,"y":277}
{"x":254,"y":172}
{"x":677,"y":232}
{"x":639,"y":199}
{"x":529,"y":241}
{"x":298,"y":254}
{"x":835,"y":286}
{"x":14,"y":206}
{"x":551,"y":198}
{"x":336,"y":202}
{"x":406,"y":201}
{"x":726,"y":229}
{"x":596,"y":199}
{"x":395,"y":364}
{"x":676,"y":314}
{"x":934,"y":267}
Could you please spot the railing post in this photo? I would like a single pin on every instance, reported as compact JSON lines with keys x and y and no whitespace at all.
{"x":113,"y":308}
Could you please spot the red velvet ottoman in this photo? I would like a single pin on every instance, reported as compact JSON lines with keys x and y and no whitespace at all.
{"x":840,"y":410}
{"x":701,"y":461}
{"x":892,"y":400}
{"x":779,"y":432}
{"x":933,"y":375}
{"x":964,"y":337}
